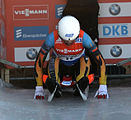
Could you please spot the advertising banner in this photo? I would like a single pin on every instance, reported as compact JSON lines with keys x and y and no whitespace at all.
{"x":115,"y":30}
{"x":30,"y":12}
{"x":27,"y":54}
{"x":24,"y":25}
{"x":31,"y":33}
{"x":115,"y":9}
{"x":115,"y":51}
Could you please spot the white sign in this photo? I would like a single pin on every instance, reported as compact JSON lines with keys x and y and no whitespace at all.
{"x":115,"y":9}
{"x":116,"y":30}
{"x":115,"y":51}
{"x":27,"y":54}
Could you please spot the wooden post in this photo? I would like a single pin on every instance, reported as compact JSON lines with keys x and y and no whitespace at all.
{"x":7,"y":75}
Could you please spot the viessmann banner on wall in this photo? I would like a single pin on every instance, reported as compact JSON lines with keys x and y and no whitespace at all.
{"x":25,"y":25}
{"x":25,"y":33}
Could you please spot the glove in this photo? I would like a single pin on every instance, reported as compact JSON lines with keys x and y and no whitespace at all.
{"x":102,"y":93}
{"x":39,"y":92}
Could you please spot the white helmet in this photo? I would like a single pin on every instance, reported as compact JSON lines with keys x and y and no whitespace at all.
{"x":68,"y":28}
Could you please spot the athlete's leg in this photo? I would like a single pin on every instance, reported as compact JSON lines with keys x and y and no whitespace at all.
{"x":83,"y":69}
{"x":53,"y":78}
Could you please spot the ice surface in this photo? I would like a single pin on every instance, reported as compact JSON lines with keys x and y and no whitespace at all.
{"x":18,"y":104}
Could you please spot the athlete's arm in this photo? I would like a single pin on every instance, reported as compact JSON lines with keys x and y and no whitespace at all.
{"x":95,"y":56}
{"x":44,"y":50}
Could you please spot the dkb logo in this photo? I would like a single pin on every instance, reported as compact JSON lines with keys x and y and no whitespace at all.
{"x":115,"y":30}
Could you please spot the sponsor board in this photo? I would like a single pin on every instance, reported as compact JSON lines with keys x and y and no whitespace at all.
{"x":3,"y":7}
{"x":115,"y":51}
{"x":59,"y":10}
{"x":0,"y":4}
{"x":115,"y":9}
{"x":30,"y":12}
{"x":31,"y":33}
{"x":27,"y":54}
{"x":2,"y":28}
{"x":115,"y":30}
{"x":0,"y":47}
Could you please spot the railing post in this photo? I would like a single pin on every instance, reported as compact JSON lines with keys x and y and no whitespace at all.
{"x":7,"y":75}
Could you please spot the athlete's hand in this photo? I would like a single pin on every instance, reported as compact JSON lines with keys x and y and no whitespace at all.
{"x":102,"y":93}
{"x":39,"y":93}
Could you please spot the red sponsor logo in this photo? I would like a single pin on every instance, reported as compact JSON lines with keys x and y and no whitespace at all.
{"x":31,"y":12}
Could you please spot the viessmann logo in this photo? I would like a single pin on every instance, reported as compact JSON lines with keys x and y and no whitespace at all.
{"x":34,"y":12}
{"x":68,"y":51}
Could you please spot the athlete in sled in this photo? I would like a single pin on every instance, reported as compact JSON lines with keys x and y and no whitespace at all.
{"x":72,"y":50}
